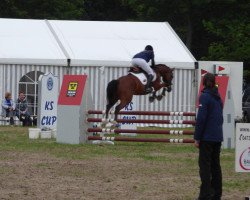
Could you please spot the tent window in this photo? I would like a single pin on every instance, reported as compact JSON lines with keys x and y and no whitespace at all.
{"x":29,"y":85}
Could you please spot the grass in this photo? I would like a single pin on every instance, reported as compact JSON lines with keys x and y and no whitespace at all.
{"x":182,"y":156}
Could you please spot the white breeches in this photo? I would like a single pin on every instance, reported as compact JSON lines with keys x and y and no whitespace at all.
{"x":142,"y":64}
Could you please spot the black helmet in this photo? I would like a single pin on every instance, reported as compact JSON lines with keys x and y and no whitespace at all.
{"x":149,"y":48}
{"x":209,"y":80}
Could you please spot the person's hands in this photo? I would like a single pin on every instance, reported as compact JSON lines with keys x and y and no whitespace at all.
{"x":196,"y":143}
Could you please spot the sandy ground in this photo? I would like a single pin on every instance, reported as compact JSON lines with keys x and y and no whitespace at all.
{"x":25,"y":175}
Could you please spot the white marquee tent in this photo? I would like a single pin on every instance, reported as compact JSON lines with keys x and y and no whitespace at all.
{"x":114,"y":43}
{"x":88,"y":43}
{"x":102,"y":50}
{"x":28,"y":42}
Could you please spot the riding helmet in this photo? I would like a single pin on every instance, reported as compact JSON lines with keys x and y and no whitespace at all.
{"x":149,"y":48}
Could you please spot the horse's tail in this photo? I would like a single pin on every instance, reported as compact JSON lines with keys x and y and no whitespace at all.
{"x":112,"y":90}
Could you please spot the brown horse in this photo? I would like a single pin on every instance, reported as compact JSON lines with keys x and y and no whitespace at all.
{"x":125,"y":87}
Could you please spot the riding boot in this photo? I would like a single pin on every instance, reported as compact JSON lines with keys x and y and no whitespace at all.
{"x":148,"y":88}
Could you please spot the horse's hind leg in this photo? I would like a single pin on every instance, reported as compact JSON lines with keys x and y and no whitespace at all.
{"x":109,"y":106}
{"x":121,"y":105}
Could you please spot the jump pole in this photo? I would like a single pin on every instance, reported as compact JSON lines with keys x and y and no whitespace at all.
{"x":142,"y":121}
{"x":129,"y":139}
{"x":155,"y":113}
{"x":161,"y":132}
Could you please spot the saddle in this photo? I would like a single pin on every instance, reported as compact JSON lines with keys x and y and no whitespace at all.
{"x":142,"y":76}
{"x":137,"y":70}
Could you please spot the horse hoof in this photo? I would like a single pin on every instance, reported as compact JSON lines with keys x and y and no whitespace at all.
{"x":159,"y":98}
{"x":116,"y":126}
{"x":151,"y":99}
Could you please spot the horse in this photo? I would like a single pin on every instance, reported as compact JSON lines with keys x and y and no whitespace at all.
{"x":126,"y":86}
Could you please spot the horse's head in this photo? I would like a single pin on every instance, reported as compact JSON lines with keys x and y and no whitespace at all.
{"x":167,"y":75}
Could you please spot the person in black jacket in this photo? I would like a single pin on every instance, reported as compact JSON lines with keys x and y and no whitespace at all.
{"x":141,"y":60}
{"x":22,"y":110}
{"x":208,"y":137}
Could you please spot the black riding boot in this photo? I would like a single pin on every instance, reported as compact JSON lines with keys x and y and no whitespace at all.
{"x":148,"y":88}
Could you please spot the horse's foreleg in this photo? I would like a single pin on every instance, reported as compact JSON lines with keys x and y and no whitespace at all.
{"x":152,"y":98}
{"x":163,"y":93}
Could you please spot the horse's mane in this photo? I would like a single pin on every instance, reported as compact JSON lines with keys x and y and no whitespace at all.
{"x":160,"y":67}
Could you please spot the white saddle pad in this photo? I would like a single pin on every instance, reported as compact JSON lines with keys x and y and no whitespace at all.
{"x":142,"y":77}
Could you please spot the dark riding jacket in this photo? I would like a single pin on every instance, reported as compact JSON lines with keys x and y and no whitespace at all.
{"x":210,"y":117}
{"x":146,"y":55}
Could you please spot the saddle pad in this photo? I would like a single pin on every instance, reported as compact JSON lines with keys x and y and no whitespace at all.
{"x":142,"y":77}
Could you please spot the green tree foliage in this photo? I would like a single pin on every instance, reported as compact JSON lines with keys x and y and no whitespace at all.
{"x":42,"y":9}
{"x":108,"y":10}
{"x":231,"y":30}
{"x":211,"y":29}
{"x":185,"y":16}
{"x":228,"y":23}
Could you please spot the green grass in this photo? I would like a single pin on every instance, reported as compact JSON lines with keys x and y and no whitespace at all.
{"x":182,"y":156}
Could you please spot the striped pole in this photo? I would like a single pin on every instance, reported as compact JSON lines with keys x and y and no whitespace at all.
{"x":142,"y":121}
{"x":126,"y":139}
{"x":162,"y":132}
{"x":160,"y":113}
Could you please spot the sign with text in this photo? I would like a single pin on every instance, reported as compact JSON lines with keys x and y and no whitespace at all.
{"x":72,"y":90}
{"x":242,"y":150}
{"x":130,"y":107}
{"x":47,"y":101}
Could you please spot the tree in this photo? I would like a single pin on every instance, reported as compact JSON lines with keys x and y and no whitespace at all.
{"x":185,"y":16}
{"x":107,"y":10}
{"x":230,"y":32}
{"x":42,"y":9}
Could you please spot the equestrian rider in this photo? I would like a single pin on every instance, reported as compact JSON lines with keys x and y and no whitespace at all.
{"x":141,"y":60}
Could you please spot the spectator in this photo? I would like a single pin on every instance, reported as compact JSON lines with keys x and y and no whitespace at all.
{"x":208,"y":137}
{"x":8,"y":107}
{"x":22,"y":110}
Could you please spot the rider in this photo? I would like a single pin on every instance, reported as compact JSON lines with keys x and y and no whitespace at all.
{"x":141,"y":60}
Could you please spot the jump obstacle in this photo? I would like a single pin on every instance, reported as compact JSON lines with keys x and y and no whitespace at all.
{"x":153,"y":132}
{"x":75,"y":126}
{"x":75,"y":104}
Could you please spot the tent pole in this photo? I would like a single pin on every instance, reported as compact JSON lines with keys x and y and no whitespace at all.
{"x":68,"y":66}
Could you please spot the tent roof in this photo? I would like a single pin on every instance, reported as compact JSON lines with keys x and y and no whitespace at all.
{"x":89,"y":43}
{"x":28,"y":42}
